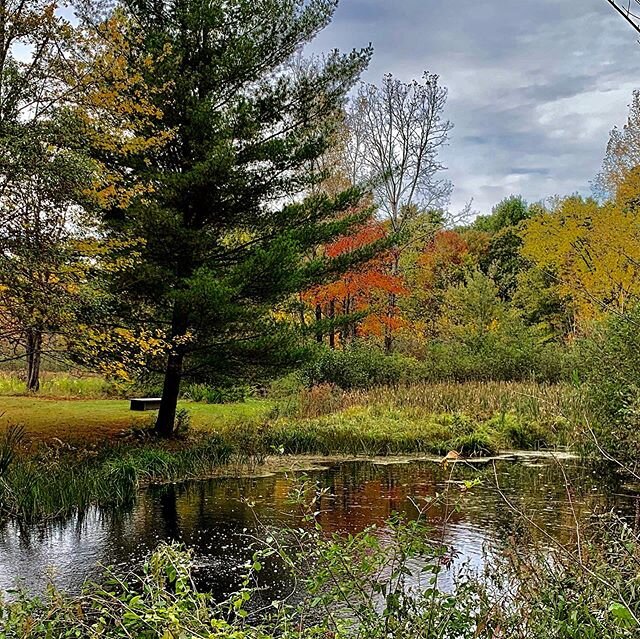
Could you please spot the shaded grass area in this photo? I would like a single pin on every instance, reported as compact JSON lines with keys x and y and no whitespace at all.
{"x":96,"y":421}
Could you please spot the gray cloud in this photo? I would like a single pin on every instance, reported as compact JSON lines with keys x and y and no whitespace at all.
{"x":534,"y":87}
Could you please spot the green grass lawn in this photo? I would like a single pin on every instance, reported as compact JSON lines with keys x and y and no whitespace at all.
{"x":96,"y":420}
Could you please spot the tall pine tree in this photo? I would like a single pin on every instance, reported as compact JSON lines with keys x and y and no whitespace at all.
{"x":226,"y":209}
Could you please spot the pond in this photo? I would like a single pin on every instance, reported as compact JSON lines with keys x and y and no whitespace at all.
{"x":216,"y":517}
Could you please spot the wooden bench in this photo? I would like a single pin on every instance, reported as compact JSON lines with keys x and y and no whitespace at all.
{"x":146,"y":403}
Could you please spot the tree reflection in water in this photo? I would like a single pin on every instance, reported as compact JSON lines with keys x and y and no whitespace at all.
{"x":217,"y":517}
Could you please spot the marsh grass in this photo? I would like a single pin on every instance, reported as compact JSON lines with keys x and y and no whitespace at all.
{"x":482,"y":400}
{"x":382,"y":431}
{"x":56,"y":482}
{"x":10,"y":440}
{"x":475,"y":418}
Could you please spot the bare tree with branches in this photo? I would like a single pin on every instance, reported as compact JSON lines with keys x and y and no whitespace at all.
{"x":397,"y":130}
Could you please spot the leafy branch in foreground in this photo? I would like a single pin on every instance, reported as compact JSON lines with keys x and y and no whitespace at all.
{"x":379,"y":583}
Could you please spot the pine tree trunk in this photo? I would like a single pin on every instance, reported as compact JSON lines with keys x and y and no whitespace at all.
{"x":170,"y":391}
{"x":34,"y":359}
{"x":165,"y":423}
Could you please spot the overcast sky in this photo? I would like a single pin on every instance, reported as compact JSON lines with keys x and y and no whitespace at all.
{"x":534,"y":87}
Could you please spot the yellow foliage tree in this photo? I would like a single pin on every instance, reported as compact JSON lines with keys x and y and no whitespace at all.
{"x":592,"y":250}
{"x":116,"y":107}
{"x":619,"y":171}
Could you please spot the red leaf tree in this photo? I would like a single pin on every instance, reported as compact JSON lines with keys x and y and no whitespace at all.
{"x":357,"y":303}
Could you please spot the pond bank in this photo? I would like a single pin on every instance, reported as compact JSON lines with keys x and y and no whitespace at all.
{"x":53,"y":478}
{"x":56,"y":482}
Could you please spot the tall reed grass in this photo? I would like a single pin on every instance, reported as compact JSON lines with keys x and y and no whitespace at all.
{"x":481,"y":400}
{"x":473,"y":418}
{"x":58,"y":481}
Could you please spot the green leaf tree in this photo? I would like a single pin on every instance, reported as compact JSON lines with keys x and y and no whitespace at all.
{"x":226,"y":211}
{"x":509,"y":212}
{"x":42,"y":175}
{"x":44,"y":251}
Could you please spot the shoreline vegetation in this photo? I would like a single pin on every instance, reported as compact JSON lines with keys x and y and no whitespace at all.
{"x":59,"y":463}
{"x":356,"y":585}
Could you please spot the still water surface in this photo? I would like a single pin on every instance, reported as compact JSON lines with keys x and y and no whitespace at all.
{"x":215,"y":517}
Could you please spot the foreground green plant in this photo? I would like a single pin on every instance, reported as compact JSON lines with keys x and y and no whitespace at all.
{"x":589,"y":590}
{"x":161,"y":602}
{"x":379,"y":583}
{"x":611,"y":370}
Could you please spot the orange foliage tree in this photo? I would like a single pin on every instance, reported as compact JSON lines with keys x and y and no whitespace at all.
{"x":436,"y":265}
{"x":443,"y":259}
{"x":357,"y":303}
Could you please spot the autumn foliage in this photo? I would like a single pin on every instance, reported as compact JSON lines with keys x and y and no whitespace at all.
{"x":442,"y":257}
{"x":358,"y":301}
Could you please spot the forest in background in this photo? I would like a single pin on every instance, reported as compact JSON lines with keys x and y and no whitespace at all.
{"x":236,"y":235}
